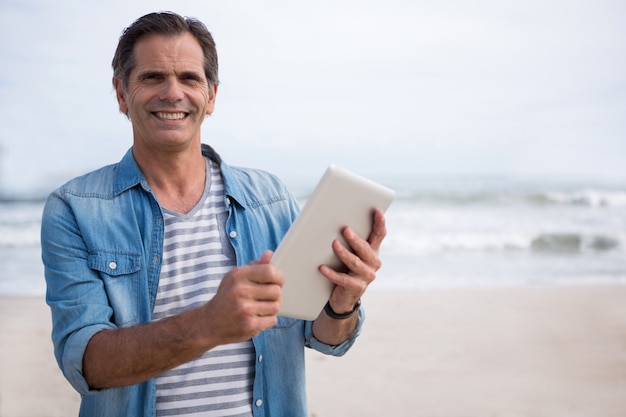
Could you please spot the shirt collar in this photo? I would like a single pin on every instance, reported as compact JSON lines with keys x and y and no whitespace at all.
{"x":129,"y":176}
{"x":233,"y":190}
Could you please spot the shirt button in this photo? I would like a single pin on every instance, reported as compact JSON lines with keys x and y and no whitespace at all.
{"x":259,"y":403}
{"x":260,"y":358}
{"x":233,"y":234}
{"x":112,"y":265}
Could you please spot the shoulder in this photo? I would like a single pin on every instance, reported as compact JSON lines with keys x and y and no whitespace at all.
{"x":92,"y":184}
{"x":253,"y":187}
{"x":248,"y":186}
{"x":254,"y":177}
{"x":105,"y":182}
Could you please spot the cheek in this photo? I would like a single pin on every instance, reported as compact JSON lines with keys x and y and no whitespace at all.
{"x":133,"y":101}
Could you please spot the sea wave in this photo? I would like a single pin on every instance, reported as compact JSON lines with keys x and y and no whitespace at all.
{"x":584,"y":197}
{"x":589,"y":198}
{"x":20,"y":224}
{"x":546,"y":243}
{"x":573,"y":242}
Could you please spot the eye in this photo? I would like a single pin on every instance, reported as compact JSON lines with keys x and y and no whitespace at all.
{"x":190,"y":77}
{"x":152,"y":76}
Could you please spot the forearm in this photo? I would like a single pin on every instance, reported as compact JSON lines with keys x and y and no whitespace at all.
{"x":132,"y":355}
{"x":332,"y":331}
{"x":246,"y":303}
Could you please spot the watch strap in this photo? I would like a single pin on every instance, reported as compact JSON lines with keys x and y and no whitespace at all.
{"x":331,"y":313}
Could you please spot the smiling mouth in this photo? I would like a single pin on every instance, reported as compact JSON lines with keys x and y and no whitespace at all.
{"x":170,"y":116}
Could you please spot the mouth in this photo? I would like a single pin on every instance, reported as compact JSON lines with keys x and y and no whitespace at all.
{"x":170,"y":115}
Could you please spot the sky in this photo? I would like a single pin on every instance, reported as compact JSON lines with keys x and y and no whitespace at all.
{"x":481,"y":88}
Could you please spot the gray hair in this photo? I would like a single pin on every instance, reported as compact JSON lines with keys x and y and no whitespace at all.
{"x":168,"y":24}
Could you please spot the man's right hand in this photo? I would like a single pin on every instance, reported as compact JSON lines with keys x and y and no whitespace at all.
{"x":247,"y":301}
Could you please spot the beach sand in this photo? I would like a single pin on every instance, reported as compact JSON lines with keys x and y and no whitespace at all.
{"x":512,"y":352}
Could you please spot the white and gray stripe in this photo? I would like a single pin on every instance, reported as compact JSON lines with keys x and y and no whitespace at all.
{"x":196,"y":256}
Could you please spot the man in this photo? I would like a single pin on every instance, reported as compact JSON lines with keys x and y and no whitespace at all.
{"x":162,"y":295}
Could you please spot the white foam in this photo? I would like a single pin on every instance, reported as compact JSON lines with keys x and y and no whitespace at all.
{"x":590,"y":198}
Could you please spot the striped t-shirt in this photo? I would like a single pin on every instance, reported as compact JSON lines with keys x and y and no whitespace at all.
{"x":196,"y":255}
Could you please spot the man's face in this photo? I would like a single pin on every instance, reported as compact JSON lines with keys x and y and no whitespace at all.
{"x":167,"y":97}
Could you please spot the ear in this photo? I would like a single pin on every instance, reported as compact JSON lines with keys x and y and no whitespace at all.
{"x":120,"y":94}
{"x":211,"y":103}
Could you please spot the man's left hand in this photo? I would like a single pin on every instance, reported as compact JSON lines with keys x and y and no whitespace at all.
{"x":362,"y":263}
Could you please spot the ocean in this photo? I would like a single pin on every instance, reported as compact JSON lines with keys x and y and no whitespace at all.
{"x":495,"y":232}
{"x":442,"y":233}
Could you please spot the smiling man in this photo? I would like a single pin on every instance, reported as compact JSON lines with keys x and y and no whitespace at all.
{"x":167,"y":96}
{"x":163,"y":299}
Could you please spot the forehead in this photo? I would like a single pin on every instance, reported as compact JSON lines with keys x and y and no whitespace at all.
{"x":169,"y":53}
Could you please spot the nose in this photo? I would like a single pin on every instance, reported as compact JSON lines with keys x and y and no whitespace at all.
{"x":172,"y":90}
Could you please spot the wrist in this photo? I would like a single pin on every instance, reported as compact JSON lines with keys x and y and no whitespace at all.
{"x":342,"y":314}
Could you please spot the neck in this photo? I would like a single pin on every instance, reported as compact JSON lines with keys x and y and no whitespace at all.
{"x":177,"y":179}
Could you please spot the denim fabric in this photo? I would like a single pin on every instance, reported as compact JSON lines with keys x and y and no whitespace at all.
{"x":102,"y":239}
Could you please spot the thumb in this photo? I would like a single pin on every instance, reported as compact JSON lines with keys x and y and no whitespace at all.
{"x":265,"y":258}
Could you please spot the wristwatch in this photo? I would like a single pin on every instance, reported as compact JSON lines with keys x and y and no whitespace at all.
{"x":329,"y":310}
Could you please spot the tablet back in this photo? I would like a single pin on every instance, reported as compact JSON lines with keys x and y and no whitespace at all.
{"x":340,"y":199}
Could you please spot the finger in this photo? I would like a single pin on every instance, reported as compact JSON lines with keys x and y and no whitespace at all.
{"x":357,"y":265}
{"x":265,"y":258}
{"x":265,"y":274}
{"x":362,"y":250}
{"x":256,"y":308}
{"x":268,"y":309}
{"x":267,"y":293}
{"x":347,"y":284}
{"x":255,"y":273}
{"x":379,"y":230}
{"x":347,"y":256}
{"x":266,"y":322}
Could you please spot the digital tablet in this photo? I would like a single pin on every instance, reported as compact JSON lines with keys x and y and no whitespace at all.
{"x":341,"y":198}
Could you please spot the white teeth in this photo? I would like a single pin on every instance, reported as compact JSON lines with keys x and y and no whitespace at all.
{"x":170,"y":116}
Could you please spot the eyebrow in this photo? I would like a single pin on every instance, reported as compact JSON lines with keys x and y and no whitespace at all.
{"x":185,"y":74}
{"x":150,"y":73}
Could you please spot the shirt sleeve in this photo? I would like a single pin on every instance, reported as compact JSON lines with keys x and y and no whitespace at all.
{"x":74,"y":292}
{"x":338,"y":350}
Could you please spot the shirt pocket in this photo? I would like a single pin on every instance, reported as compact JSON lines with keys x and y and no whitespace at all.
{"x":120,"y":276}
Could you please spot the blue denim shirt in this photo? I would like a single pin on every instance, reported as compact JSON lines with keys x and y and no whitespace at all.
{"x":102,"y":243}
